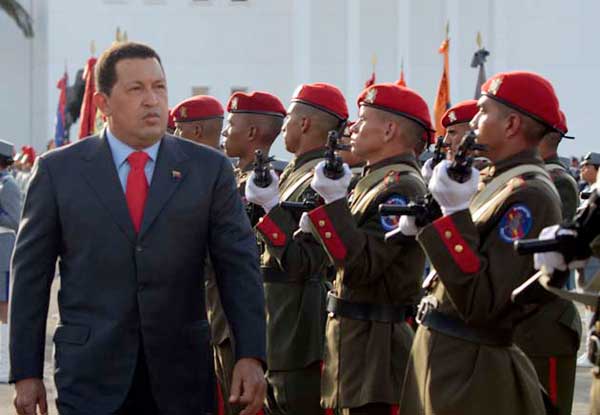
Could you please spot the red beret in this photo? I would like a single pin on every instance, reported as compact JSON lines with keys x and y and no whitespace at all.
{"x":526,"y":92}
{"x":171,"y":120}
{"x":322,"y":96}
{"x":28,"y":154}
{"x":200,"y":107}
{"x":562,"y":126}
{"x":257,"y":102}
{"x":462,"y":112}
{"x":398,"y":100}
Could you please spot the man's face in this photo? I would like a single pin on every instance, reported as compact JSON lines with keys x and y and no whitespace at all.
{"x":454,"y":134}
{"x":292,"y":129}
{"x":235,"y":134}
{"x":137,"y":107}
{"x":348,"y":156}
{"x":185,"y":130}
{"x":488,"y":124}
{"x":367,"y":132}
{"x":588,"y":173}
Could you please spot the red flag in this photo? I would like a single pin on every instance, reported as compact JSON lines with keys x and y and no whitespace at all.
{"x":371,"y":80}
{"x":442,"y":99}
{"x":401,"y":81}
{"x":87,"y":124}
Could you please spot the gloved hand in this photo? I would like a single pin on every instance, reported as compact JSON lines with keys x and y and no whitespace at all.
{"x":427,"y":170}
{"x":330,"y":190}
{"x":553,"y":260}
{"x":407,"y":225}
{"x":305,"y":224}
{"x":452,"y":196}
{"x":266,"y":197}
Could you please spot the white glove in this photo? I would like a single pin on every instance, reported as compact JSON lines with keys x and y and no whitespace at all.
{"x":553,"y":260}
{"x":331,"y":190}
{"x":304,"y":223}
{"x":266,"y":197}
{"x":407,"y":225}
{"x":427,"y":170}
{"x":452,"y":196}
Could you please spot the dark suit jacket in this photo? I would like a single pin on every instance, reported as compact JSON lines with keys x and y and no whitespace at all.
{"x":119,"y":288}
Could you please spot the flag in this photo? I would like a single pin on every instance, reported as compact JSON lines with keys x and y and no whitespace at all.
{"x":479,"y":58}
{"x":442,"y":99}
{"x":60,"y":131}
{"x":401,"y":81}
{"x":87,"y":125}
{"x":371,"y":80}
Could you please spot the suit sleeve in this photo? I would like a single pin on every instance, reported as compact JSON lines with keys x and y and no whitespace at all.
{"x":360,"y":249}
{"x":33,"y":266}
{"x":299,"y":256}
{"x":480,"y":274}
{"x":10,"y":199}
{"x":234,"y":255}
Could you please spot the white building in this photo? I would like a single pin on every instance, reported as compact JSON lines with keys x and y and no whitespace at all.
{"x":274,"y":45}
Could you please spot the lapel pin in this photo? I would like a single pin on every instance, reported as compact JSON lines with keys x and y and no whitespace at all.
{"x":175,"y":175}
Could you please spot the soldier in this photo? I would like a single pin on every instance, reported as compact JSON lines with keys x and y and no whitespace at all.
{"x":253,"y":123}
{"x":463,"y":360}
{"x":550,"y":337}
{"x":10,"y":213}
{"x":589,"y":172}
{"x":368,"y":340}
{"x":171,"y":123}
{"x":199,"y":119}
{"x":296,"y":298}
{"x":353,"y":161}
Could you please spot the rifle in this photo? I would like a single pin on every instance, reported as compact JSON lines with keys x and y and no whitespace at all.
{"x":426,"y":209}
{"x":262,"y":167}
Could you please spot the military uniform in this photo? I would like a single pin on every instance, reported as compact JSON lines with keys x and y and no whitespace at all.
{"x":365,"y":356}
{"x":551,"y":336}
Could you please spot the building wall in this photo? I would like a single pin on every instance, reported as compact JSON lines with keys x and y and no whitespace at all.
{"x":276,"y":44}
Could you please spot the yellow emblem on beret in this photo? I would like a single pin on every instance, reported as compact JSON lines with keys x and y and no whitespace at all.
{"x":452,"y":116}
{"x":234,"y":103}
{"x":371,"y":95}
{"x":183,"y":112}
{"x":495,"y":86}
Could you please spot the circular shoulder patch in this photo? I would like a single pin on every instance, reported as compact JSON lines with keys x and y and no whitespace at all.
{"x":389,"y":223}
{"x":516,"y":223}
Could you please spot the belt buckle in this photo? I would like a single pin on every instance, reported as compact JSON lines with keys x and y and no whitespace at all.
{"x":427,"y":304}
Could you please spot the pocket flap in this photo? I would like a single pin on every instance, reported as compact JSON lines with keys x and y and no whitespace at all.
{"x":71,"y":334}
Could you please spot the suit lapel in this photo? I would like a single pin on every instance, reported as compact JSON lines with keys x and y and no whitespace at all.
{"x":101,"y":174}
{"x":168,"y":174}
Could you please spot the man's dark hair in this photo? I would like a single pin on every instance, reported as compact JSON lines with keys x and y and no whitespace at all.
{"x":106,"y":72}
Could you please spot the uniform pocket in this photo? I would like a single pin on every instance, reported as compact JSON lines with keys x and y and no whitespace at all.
{"x":72,"y":334}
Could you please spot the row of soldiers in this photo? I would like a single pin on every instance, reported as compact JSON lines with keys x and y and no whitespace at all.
{"x":342,"y":299}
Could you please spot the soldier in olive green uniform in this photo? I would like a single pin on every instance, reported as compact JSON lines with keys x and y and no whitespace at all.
{"x":463,"y":360}
{"x":550,"y":337}
{"x":295,"y":298}
{"x":368,"y":339}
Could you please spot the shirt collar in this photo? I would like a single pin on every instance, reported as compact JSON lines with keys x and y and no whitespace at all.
{"x":121,"y":151}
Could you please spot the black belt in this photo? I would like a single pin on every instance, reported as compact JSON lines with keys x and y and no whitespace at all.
{"x":274,"y":275}
{"x":454,"y":327}
{"x":385,"y":313}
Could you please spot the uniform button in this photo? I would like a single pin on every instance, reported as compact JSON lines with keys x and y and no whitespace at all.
{"x":327,"y":235}
{"x":139,"y":248}
{"x":448,"y":234}
{"x":275,"y":235}
{"x":260,"y":219}
{"x":321,"y":223}
{"x":458,"y":248}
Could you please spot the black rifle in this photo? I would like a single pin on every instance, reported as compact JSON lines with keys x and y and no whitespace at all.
{"x":262,"y":169}
{"x":426,"y":209}
{"x":439,"y":152}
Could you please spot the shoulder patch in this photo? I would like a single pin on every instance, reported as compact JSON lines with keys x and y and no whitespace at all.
{"x":392,"y":178}
{"x":516,"y":223}
{"x":389,"y":223}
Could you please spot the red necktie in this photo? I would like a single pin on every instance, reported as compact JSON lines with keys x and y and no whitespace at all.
{"x":137,"y":187}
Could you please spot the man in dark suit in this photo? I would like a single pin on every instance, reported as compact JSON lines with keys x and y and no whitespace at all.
{"x":131,"y":215}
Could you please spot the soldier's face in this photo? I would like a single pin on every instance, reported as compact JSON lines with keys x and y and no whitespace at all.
{"x":488,"y":123}
{"x":234,"y":134}
{"x":137,"y":107}
{"x":454,"y":134}
{"x":292,"y":129}
{"x":589,"y":173}
{"x":367,"y":133}
{"x":348,"y":156}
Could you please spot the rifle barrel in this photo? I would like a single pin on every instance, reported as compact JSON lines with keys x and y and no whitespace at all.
{"x":532,"y":246}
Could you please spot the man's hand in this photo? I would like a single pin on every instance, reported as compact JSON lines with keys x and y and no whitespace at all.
{"x":427,"y":170}
{"x":451,"y":195}
{"x":551,"y":261}
{"x":248,"y":386}
{"x":266,"y":197}
{"x":331,"y":190}
{"x":29,"y":394}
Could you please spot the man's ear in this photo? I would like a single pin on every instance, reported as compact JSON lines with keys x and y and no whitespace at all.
{"x":389,"y":131}
{"x":305,"y":125}
{"x":252,"y":132}
{"x":199,"y":130}
{"x":101,"y":101}
{"x":512,"y":124}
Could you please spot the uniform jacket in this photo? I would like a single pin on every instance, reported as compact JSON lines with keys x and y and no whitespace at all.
{"x":119,"y":288}
{"x":477,"y":270}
